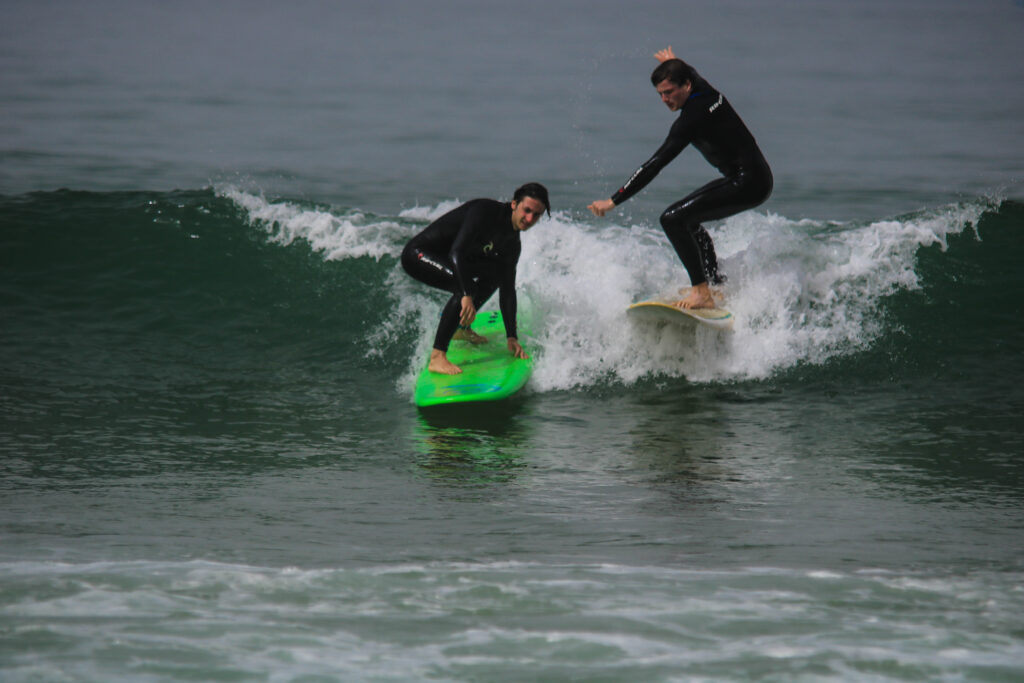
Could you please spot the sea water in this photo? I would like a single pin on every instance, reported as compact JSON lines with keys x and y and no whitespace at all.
{"x":210,"y":464}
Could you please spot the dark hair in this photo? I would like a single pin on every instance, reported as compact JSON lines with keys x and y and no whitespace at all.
{"x":534,"y":191}
{"x":675,"y":70}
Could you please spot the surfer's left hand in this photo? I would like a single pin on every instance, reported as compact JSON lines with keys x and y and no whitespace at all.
{"x":665,"y":55}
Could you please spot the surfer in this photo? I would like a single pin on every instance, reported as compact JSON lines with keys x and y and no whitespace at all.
{"x":471,"y":251}
{"x":707,"y":120}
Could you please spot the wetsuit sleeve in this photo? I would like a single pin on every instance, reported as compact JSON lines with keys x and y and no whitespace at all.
{"x":678,"y":138}
{"x":507,"y":297}
{"x":475,"y":220}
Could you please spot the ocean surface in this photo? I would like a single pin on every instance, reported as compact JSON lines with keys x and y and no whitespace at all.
{"x":211,"y":468}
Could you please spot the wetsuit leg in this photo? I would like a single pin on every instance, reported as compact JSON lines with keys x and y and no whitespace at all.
{"x":718,"y":199}
{"x":437,"y":271}
{"x":485,"y":287}
{"x":429,"y":268}
{"x":449,"y":323}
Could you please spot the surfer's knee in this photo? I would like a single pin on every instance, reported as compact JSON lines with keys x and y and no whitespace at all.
{"x":764,"y":184}
{"x":408,"y":259}
{"x":667,"y":219}
{"x":673,"y":220}
{"x":678,"y":224}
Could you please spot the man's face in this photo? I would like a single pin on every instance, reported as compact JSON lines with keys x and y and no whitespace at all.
{"x":526,"y":212}
{"x":673,"y":95}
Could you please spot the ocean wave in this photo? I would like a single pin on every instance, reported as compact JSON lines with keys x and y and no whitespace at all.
{"x":805,"y":292}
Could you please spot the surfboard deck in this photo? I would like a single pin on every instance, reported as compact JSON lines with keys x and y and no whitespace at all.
{"x":660,"y":309}
{"x":489,"y":372}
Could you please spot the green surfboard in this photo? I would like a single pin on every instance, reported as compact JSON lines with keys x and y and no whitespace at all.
{"x":489,"y":372}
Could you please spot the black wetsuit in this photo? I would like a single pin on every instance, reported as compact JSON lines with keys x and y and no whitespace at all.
{"x":709,"y":122}
{"x":470,"y":251}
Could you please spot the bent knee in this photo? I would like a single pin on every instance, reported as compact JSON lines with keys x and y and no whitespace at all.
{"x":765,"y":190}
{"x":408,"y":259}
{"x":678,"y":218}
{"x":761,"y":189}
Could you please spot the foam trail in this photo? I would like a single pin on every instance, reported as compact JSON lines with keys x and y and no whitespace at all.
{"x":802,"y":292}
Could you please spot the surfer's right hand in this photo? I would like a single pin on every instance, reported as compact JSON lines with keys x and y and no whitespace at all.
{"x":468,"y":311}
{"x":601,"y":207}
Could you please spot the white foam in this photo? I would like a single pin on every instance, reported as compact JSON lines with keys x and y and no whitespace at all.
{"x":430,"y":213}
{"x":338,"y":237}
{"x":802,"y":292}
{"x":115,"y":619}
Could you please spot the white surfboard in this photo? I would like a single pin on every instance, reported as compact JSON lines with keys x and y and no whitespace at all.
{"x":660,"y":309}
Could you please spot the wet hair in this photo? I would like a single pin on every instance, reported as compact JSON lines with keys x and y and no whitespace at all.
{"x":676,"y":71}
{"x":534,"y":191}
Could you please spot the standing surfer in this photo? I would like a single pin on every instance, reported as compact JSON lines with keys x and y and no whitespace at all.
{"x":708,"y":121}
{"x":471,"y":251}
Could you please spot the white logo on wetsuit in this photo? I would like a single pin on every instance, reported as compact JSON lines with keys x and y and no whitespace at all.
{"x":489,"y":246}
{"x":423,"y":257}
{"x":716,"y":105}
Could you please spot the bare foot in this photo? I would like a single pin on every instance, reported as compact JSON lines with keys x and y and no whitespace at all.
{"x":699,"y":297}
{"x":440,"y":364}
{"x":716,"y":294}
{"x":467,"y":334}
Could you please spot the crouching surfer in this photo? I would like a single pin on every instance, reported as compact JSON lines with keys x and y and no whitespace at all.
{"x":471,"y":251}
